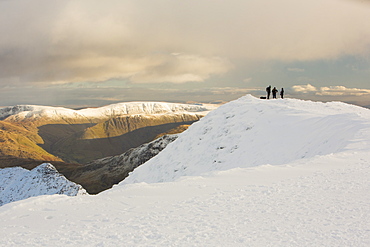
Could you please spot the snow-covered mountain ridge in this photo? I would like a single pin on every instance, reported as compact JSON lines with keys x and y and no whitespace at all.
{"x":251,"y":173}
{"x":17,"y":183}
{"x":22,"y":112}
{"x":252,"y":132}
{"x":80,"y":136}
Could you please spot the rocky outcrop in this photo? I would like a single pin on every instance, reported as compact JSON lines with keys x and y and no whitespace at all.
{"x":17,"y":183}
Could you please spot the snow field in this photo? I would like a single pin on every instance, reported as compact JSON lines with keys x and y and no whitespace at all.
{"x":320,"y":202}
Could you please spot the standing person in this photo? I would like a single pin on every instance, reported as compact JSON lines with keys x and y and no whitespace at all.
{"x":274,"y":91}
{"x":282,"y":93}
{"x":268,"y":90}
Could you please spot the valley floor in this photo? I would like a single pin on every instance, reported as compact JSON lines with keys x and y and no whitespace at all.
{"x":321,"y":201}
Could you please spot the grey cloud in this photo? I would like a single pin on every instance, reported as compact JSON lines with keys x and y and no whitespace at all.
{"x":96,"y":44}
{"x":60,"y":42}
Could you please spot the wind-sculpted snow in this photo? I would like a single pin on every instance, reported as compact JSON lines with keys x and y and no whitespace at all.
{"x":17,"y":183}
{"x":23,"y":112}
{"x":252,"y":132}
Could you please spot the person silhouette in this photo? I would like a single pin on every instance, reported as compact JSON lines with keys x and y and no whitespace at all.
{"x":274,"y":91}
{"x":268,"y":90}
{"x":282,"y":93}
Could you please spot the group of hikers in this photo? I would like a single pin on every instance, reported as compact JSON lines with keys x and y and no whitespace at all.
{"x":274,"y":92}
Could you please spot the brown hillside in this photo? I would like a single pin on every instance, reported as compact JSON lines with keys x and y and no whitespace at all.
{"x":118,"y":126}
{"x":17,"y":141}
{"x":83,"y":140}
{"x":73,"y":148}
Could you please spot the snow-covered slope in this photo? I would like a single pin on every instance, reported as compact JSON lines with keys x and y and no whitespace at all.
{"x":251,"y":173}
{"x":135,"y":156}
{"x":251,"y":132}
{"x":22,"y":112}
{"x":17,"y":183}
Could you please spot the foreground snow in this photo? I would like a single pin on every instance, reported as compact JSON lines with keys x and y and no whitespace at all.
{"x":319,"y":202}
{"x":306,"y":190}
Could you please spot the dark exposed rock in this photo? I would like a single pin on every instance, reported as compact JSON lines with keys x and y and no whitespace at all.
{"x":102,"y":174}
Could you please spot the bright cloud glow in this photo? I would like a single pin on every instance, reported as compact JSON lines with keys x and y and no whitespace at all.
{"x":330,"y":91}
{"x":341,"y":90}
{"x":179,"y":68}
{"x":304,"y":88}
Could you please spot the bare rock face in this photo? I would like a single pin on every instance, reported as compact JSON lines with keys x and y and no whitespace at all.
{"x":17,"y":183}
{"x":102,"y":174}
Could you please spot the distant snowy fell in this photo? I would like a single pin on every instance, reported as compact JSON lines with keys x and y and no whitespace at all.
{"x":21,"y":112}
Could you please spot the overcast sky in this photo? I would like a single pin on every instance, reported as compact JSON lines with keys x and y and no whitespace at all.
{"x":93,"y":52}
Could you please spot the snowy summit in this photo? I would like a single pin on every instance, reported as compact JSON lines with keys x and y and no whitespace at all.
{"x":250,"y":132}
{"x":251,"y":173}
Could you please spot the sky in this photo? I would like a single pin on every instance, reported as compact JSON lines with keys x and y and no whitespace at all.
{"x":93,"y":53}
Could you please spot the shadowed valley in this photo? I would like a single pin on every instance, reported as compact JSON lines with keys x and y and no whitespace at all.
{"x":67,"y":142}
{"x":74,"y":140}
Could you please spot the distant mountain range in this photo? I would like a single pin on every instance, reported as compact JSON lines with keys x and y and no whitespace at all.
{"x":69,"y":139}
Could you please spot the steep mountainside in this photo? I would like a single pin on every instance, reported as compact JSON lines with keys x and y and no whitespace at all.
{"x":80,"y":136}
{"x":17,"y":141}
{"x":102,"y":174}
{"x":118,"y":126}
{"x":17,"y":183}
